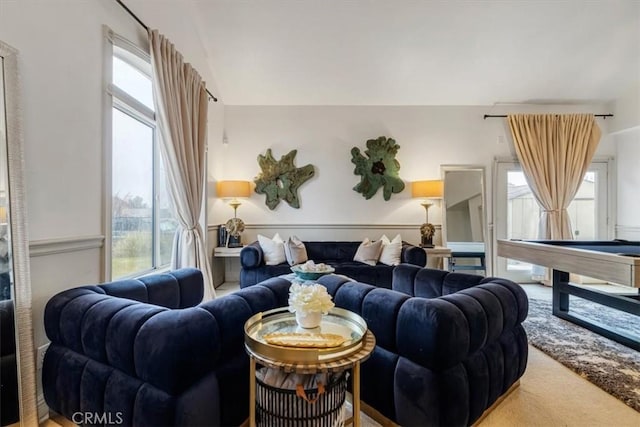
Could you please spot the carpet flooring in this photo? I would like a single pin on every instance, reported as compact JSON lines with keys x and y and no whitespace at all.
{"x":611,"y":366}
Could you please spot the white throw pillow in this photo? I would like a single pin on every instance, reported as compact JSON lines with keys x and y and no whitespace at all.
{"x":295,"y":251}
{"x":368,"y":252}
{"x":391,"y":250}
{"x":273,"y":249}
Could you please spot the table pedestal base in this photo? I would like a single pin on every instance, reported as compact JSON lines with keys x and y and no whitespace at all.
{"x":561,"y":291}
{"x":355,"y":399}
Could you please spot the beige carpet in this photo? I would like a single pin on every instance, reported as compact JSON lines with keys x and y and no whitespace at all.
{"x":552,"y":395}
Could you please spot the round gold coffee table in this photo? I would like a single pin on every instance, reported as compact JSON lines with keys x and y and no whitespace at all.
{"x":356,"y":349}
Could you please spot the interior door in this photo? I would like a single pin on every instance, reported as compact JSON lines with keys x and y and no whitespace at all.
{"x":518,"y":213}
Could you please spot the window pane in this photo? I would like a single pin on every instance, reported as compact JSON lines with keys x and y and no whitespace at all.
{"x":132,"y":196}
{"x":582,"y":209}
{"x":524,"y":213}
{"x":133,"y":81}
{"x":168,"y":225}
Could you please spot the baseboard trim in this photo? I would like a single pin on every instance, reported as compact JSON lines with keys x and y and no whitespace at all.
{"x":43,"y":408}
{"x":67,"y":244}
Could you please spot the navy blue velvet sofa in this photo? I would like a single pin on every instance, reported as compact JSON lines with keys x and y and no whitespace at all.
{"x":337,"y":254}
{"x":142,"y":351}
{"x":8,"y":365}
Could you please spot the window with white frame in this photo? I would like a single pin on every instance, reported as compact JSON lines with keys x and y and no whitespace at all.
{"x":517,"y":213}
{"x":141,"y":225}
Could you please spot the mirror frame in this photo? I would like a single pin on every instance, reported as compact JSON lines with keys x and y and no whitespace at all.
{"x":25,"y":355}
{"x":485,"y":226}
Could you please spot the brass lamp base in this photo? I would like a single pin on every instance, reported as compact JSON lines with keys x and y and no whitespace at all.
{"x":234,"y":242}
{"x":427,"y":242}
{"x":234,"y":227}
{"x":427,"y":231}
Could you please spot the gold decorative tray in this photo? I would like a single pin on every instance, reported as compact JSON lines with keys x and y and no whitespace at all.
{"x":338,"y":321}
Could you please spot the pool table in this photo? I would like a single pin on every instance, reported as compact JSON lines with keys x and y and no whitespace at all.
{"x":616,"y":261}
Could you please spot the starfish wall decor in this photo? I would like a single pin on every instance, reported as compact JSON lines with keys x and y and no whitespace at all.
{"x":279,"y":180}
{"x":379,"y":169}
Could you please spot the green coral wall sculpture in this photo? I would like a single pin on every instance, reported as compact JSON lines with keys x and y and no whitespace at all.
{"x":280,"y":180}
{"x":379,"y":169}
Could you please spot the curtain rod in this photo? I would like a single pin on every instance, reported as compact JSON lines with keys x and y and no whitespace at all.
{"x":491,"y":116}
{"x":133,"y":15}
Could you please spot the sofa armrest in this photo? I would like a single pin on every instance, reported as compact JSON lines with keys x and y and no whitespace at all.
{"x":413,"y":255}
{"x":180,"y":288}
{"x":439,"y":333}
{"x":176,"y":348}
{"x":251,"y":256}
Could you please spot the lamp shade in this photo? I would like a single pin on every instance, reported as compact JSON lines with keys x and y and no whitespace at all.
{"x":433,"y":189}
{"x":233,"y":189}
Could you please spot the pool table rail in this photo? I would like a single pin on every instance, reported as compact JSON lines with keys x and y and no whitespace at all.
{"x":611,"y":267}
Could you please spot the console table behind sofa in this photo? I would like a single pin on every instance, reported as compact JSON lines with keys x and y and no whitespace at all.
{"x":337,"y":254}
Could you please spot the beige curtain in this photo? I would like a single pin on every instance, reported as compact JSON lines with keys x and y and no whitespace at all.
{"x":180,"y":100}
{"x":555,"y":151}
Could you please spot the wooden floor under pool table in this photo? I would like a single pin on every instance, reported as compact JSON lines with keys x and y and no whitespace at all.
{"x":616,"y":261}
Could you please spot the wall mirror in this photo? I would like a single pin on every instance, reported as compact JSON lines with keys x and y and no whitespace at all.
{"x":17,"y":355}
{"x":464,"y":217}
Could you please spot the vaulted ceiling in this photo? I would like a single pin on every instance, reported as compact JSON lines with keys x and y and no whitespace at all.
{"x":402,"y":52}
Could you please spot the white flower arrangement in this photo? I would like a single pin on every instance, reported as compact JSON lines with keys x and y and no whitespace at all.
{"x":309,"y":298}
{"x":312,"y":267}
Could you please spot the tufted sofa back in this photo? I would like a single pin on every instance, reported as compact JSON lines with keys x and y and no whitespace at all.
{"x":432,"y":283}
{"x":342,"y":251}
{"x":337,"y":254}
{"x":175,"y":289}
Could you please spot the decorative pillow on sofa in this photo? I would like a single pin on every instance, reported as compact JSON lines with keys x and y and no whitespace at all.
{"x":273,"y":249}
{"x":295,"y":251}
{"x":391,"y":250}
{"x":368,"y":252}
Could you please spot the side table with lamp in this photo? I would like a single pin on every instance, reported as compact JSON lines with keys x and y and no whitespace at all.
{"x":226,"y":257}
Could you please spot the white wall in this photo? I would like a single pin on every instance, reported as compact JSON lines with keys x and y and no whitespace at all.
{"x":60,"y":61}
{"x":626,"y":109}
{"x":428,"y":137}
{"x":628,"y":184}
{"x":625,"y":127}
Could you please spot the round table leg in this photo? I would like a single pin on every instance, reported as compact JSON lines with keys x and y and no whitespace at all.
{"x":252,"y":392}
{"x":356,"y":394}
